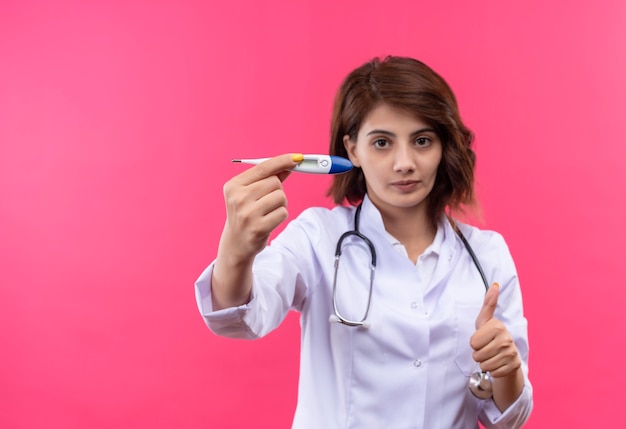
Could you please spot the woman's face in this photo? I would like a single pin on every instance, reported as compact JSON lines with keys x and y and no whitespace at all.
{"x":399,"y":155}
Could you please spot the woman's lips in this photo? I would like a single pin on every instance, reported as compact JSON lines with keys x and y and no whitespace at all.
{"x":405,"y":185}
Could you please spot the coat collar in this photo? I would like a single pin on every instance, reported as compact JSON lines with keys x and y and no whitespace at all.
{"x":371,"y":223}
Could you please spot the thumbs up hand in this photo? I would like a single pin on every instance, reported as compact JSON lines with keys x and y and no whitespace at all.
{"x":493,"y":345}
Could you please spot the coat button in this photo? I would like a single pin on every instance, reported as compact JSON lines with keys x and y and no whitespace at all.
{"x":417,"y":363}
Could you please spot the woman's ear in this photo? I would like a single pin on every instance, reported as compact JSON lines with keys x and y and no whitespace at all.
{"x":351,"y":149}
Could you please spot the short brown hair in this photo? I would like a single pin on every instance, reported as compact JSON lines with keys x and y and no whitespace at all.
{"x":410,"y":85}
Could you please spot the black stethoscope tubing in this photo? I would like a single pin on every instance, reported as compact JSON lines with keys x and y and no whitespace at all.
{"x":480,"y":383}
{"x":355,"y":231}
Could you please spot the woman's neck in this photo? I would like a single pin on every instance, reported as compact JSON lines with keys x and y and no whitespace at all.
{"x":411,"y":227}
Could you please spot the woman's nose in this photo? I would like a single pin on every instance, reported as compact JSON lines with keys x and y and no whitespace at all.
{"x":403,"y":159}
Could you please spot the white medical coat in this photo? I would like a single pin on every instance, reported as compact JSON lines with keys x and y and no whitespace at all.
{"x":410,"y":368}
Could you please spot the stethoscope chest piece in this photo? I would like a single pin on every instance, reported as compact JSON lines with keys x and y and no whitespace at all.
{"x":481,"y":385}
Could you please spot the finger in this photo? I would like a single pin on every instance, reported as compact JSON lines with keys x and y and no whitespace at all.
{"x":274,"y":218}
{"x":492,"y":338}
{"x":275,"y":166}
{"x":282,"y":176}
{"x":259,"y":189}
{"x":271,"y":201}
{"x":484,"y":337}
{"x":489,"y":306}
{"x":260,"y":198}
{"x":500,"y":366}
{"x":505,"y":370}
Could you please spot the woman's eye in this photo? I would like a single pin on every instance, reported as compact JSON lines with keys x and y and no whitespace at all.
{"x":422,"y":141}
{"x":381,"y":143}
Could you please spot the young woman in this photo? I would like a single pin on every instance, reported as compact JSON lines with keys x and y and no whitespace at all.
{"x":396,"y":321}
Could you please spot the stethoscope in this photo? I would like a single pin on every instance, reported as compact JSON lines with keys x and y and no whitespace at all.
{"x":480,"y":383}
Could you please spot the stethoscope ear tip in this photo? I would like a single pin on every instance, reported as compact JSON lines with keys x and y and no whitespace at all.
{"x":333,"y":318}
{"x":366,"y":324}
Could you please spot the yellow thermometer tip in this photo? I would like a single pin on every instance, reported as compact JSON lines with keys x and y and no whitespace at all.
{"x":297,"y":157}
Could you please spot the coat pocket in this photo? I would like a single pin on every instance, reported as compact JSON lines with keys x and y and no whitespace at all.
{"x":465,"y":319}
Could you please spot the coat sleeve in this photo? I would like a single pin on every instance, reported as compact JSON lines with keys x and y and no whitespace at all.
{"x":500,"y":267}
{"x":283,"y":275}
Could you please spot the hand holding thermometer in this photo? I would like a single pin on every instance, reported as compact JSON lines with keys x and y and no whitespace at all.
{"x":314,"y":164}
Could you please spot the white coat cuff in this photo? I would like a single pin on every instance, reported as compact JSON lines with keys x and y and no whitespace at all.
{"x":229,"y":322}
{"x":514,"y":416}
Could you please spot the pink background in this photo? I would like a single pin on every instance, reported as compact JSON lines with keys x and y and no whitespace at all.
{"x":117,"y":124}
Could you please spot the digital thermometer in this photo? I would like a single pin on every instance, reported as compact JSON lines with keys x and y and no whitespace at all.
{"x":314,"y":164}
